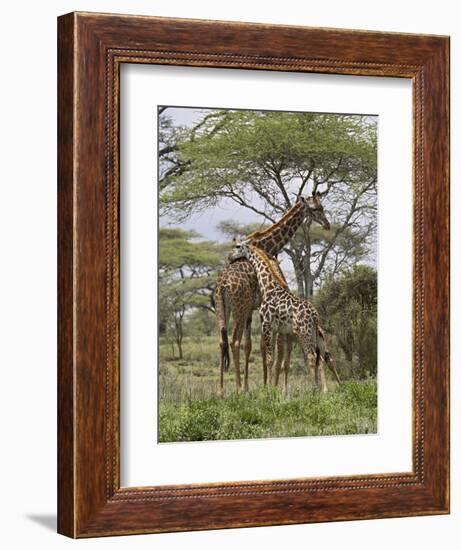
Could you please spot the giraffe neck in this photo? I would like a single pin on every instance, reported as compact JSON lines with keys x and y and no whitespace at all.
{"x":275,"y":237}
{"x":269,"y":278}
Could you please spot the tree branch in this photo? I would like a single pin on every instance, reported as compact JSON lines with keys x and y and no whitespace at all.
{"x":239,"y":200}
{"x":341,"y":229}
{"x":303,"y":184}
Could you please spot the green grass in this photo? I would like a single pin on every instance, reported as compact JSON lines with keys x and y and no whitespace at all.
{"x":190,"y":409}
{"x":266,"y":412}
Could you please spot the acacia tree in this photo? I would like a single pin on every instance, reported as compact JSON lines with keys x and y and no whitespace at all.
{"x":264,"y":161}
{"x":187,"y":270}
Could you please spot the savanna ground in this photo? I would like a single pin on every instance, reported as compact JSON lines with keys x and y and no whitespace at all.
{"x":190,"y":410}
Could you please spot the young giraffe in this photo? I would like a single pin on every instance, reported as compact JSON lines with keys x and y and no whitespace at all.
{"x":237,"y":293}
{"x":285,"y":342}
{"x":286,"y":315}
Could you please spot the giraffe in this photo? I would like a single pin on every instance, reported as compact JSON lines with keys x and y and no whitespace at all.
{"x":237,"y":292}
{"x":286,"y":315}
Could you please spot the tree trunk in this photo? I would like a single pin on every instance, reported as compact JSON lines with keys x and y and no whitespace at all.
{"x":299,"y":279}
{"x":308,"y":280}
{"x":309,"y":287}
{"x":179,"y":333}
{"x":301,"y":260}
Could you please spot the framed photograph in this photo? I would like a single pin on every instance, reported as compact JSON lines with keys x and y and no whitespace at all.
{"x":253,"y":259}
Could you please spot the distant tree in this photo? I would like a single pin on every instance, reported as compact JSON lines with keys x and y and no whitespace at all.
{"x":232,"y":228}
{"x":200,"y":322}
{"x":264,"y":161}
{"x":187,"y":271}
{"x":348,"y":308}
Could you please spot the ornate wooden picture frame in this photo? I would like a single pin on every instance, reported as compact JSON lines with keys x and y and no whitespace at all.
{"x":92,"y":48}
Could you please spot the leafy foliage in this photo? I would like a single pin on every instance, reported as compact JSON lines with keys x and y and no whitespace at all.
{"x":264,"y":161}
{"x":348,"y":307}
{"x":187,"y":272}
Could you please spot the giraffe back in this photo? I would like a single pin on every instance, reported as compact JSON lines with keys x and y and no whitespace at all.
{"x":239,"y":286}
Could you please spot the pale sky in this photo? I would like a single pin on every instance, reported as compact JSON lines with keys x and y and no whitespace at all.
{"x":206,"y":222}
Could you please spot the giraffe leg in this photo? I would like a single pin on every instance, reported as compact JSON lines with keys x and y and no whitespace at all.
{"x":314,"y":366}
{"x":264,"y":360}
{"x":320,"y":381}
{"x":268,"y":348}
{"x":222,"y":319}
{"x":320,"y":374}
{"x":247,"y":349}
{"x":309,"y":360}
{"x":331,"y":366}
{"x":310,"y":356}
{"x":224,"y":345}
{"x":281,"y":339}
{"x":235,"y":345}
{"x":286,"y":362}
{"x":324,"y":357}
{"x":312,"y":369}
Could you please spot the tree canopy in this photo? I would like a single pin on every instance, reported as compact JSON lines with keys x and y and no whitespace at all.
{"x":264,"y":161}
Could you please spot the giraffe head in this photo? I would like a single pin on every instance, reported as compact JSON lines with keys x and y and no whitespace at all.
{"x":243,"y":246}
{"x":314,"y":209}
{"x":240,"y":248}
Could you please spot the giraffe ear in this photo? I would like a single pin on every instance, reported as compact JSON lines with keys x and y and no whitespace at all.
{"x":316,"y":196}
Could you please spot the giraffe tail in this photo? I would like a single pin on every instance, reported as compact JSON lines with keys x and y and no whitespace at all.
{"x":221,"y":318}
{"x":322,"y":351}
